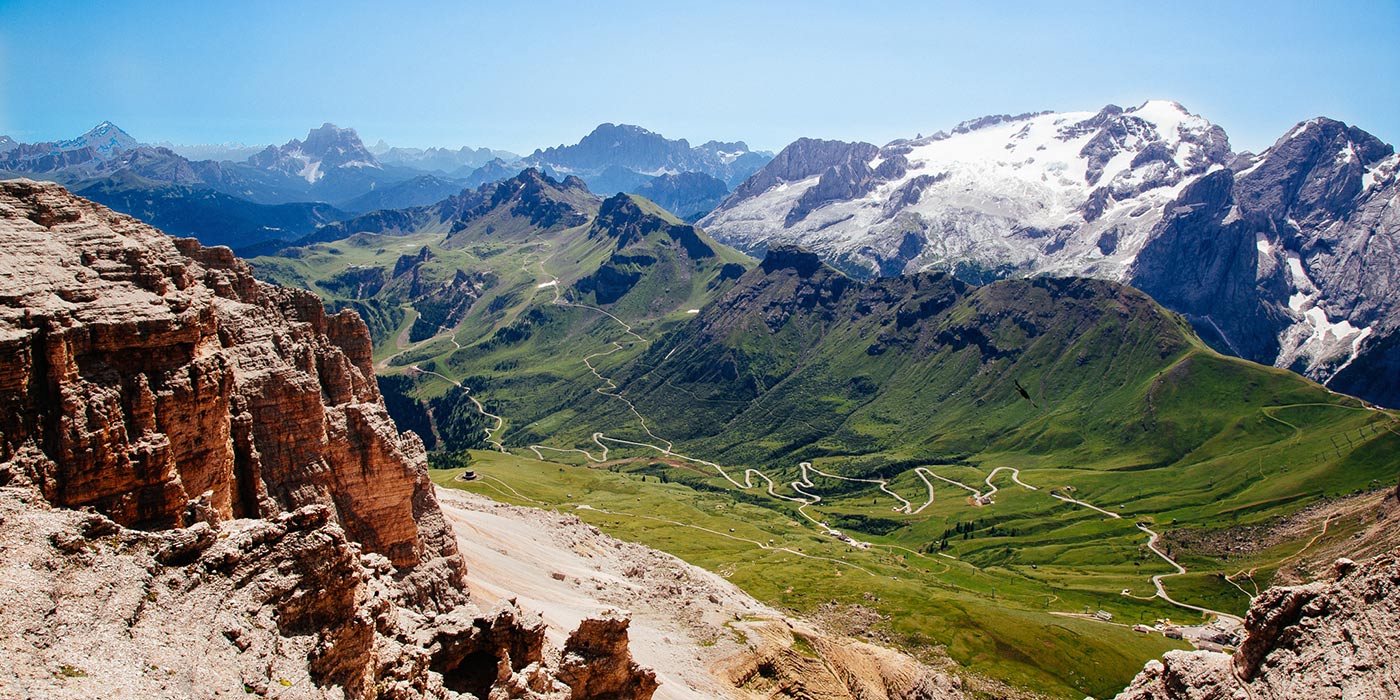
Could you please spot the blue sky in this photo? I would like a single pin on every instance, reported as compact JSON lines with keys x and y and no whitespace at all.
{"x":524,"y":75}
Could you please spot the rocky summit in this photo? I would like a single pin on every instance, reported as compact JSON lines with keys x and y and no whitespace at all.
{"x":203,"y":494}
{"x":324,"y":149}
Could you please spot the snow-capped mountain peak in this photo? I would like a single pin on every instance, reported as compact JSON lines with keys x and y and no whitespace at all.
{"x":106,"y":140}
{"x":1286,"y":258}
{"x":325,"y":148}
{"x":1037,"y":192}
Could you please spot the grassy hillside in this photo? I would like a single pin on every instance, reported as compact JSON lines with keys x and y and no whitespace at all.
{"x":501,"y":291}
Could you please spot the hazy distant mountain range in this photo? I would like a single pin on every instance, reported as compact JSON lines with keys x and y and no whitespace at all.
{"x":1284,"y":257}
{"x":618,"y":150}
{"x":443,"y":161}
{"x":172,"y":186}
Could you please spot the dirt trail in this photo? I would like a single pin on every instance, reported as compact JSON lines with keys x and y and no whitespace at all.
{"x":804,"y":497}
{"x":500,"y":422}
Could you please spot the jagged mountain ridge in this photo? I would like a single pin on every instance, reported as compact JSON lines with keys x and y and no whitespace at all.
{"x":444,"y":161}
{"x":648,"y":153}
{"x":1033,"y":193}
{"x":100,"y":143}
{"x":927,"y":366}
{"x":529,"y":198}
{"x":324,"y":149}
{"x":523,"y":243}
{"x":1120,"y":195}
{"x":687,"y":195}
{"x":332,"y":165}
{"x":794,"y":334}
{"x":1289,"y":257}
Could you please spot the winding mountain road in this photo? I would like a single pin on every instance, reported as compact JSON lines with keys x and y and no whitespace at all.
{"x":500,"y":422}
{"x":1152,"y":538}
{"x":1090,"y":506}
{"x":805,"y":498}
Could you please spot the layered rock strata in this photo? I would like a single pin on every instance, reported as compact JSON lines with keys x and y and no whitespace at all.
{"x":158,"y":383}
{"x":202,"y":494}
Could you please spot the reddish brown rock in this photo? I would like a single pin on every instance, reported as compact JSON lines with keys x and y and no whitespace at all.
{"x":139,"y":373}
{"x":597,"y":664}
{"x":259,"y":525}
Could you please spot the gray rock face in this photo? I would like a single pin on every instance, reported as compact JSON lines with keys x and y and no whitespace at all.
{"x":1203,"y":263}
{"x":1294,"y":262}
{"x":206,"y":198}
{"x":324,"y":150}
{"x":802,"y":159}
{"x":102,"y":142}
{"x":686,"y":195}
{"x":845,"y":181}
{"x":1032,"y":193}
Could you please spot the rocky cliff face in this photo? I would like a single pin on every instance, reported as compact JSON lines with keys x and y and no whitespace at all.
{"x":104,"y":141}
{"x":254,"y":518}
{"x":687,"y":195}
{"x":325,"y":149}
{"x":802,"y":159}
{"x":1066,"y":193}
{"x":1328,"y":639}
{"x":145,"y":374}
{"x":1289,"y":258}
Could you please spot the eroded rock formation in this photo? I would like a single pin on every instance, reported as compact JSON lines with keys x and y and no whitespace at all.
{"x":792,"y":660}
{"x":157,"y":382}
{"x":1319,"y":641}
{"x":202,"y":493}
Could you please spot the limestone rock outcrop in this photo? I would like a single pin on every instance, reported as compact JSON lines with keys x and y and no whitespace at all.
{"x":597,"y":663}
{"x":1320,"y":641}
{"x":279,"y":607}
{"x":793,"y":660}
{"x":157,"y":382}
{"x":202,"y":494}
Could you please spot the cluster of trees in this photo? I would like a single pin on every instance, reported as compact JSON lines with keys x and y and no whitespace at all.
{"x":968,"y":530}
